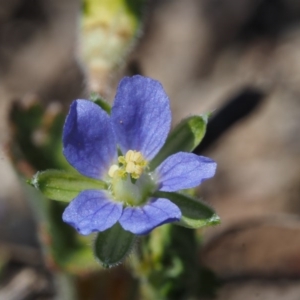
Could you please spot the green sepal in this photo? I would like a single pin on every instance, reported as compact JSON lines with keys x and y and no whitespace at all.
{"x":113,"y":245}
{"x":64,"y":186}
{"x":186,"y":136}
{"x":97,"y":99}
{"x":195,"y":213}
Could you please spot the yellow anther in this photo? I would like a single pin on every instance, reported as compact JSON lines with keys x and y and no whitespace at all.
{"x":121,"y":159}
{"x":116,"y":171}
{"x":132,"y":163}
{"x":130,"y":167}
{"x":135,"y":163}
{"x":133,"y":156}
{"x":112,"y":170}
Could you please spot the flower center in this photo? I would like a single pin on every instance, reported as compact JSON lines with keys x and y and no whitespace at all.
{"x":130,"y":183}
{"x":132,"y":163}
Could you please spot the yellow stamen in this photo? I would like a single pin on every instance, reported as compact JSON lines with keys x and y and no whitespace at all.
{"x":112,"y":170}
{"x":130,"y":167}
{"x":133,"y":163}
{"x":121,"y":160}
{"x":116,"y":171}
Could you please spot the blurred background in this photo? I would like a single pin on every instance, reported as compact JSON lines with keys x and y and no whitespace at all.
{"x":239,"y":59}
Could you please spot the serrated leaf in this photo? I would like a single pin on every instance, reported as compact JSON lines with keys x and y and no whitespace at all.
{"x":195,"y":213}
{"x":113,"y":245}
{"x":186,"y":136}
{"x":63,"y":186}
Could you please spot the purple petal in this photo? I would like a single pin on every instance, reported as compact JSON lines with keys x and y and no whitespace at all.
{"x":141,"y":115}
{"x":142,"y":219}
{"x":183,"y":171}
{"x":88,"y":139}
{"x":91,"y":211}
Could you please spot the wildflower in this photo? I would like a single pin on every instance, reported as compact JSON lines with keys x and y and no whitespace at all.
{"x":117,"y":149}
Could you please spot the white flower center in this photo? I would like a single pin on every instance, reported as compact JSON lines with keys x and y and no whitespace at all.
{"x":130,"y":183}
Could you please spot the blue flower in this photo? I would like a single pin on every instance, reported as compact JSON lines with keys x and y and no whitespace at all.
{"x":118,"y":149}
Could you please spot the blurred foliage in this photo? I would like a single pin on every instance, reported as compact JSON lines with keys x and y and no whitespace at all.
{"x":169,"y":268}
{"x":37,"y":135}
{"x":108,"y":31}
{"x":36,"y":145}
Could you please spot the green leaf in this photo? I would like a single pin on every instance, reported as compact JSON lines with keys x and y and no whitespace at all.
{"x":186,"y":136}
{"x":97,"y":99}
{"x":64,"y":186}
{"x":195,"y":213}
{"x":113,"y":245}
